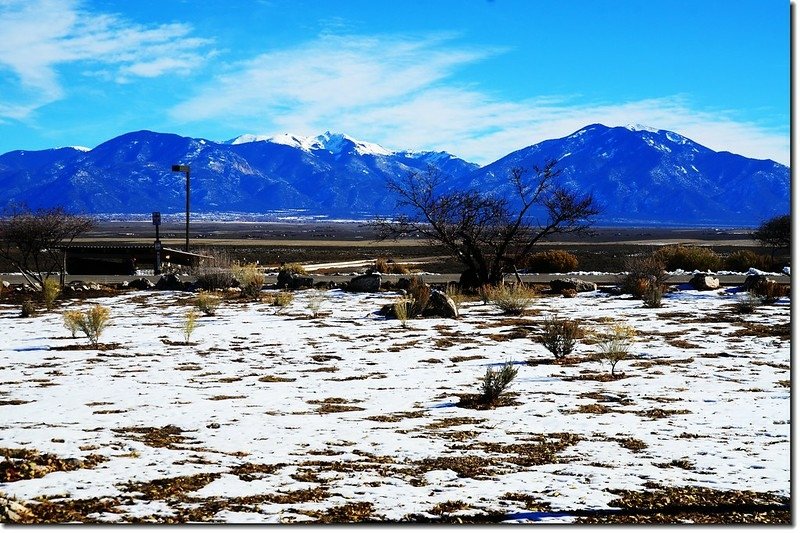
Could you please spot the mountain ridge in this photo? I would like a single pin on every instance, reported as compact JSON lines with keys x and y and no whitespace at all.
{"x":636,"y":173}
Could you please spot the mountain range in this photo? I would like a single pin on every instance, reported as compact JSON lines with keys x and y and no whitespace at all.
{"x":637,"y":175}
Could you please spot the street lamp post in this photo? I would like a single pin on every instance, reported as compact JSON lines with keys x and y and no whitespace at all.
{"x":185,"y":169}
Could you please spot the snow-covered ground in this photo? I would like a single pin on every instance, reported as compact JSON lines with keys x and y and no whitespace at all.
{"x":293,"y":415}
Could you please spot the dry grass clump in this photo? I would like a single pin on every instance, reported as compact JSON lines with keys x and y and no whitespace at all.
{"x":207,"y":303}
{"x":71,"y":321}
{"x":551,"y":261}
{"x":281,"y":300}
{"x":50,"y":291}
{"x":92,"y":322}
{"x":614,"y":345}
{"x":559,"y":336}
{"x":314,"y":302}
{"x":250,"y":278}
{"x":512,"y":299}
{"x":28,"y":309}
{"x":419,"y":293}
{"x":293,"y":268}
{"x":402,"y":309}
{"x":677,"y":256}
{"x":389,"y":266}
{"x":189,"y":325}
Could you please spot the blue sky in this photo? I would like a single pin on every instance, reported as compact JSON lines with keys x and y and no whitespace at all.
{"x":477,"y":78}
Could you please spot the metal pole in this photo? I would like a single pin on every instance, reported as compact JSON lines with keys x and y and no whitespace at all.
{"x":187,"y":209}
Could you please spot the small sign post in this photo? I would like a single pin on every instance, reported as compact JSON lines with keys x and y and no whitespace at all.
{"x":157,"y":244}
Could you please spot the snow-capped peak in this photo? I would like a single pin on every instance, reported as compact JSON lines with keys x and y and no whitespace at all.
{"x":79,"y":148}
{"x":337,"y":143}
{"x":640,"y":127}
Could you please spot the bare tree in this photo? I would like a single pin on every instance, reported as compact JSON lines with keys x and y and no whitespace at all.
{"x":775,"y":233}
{"x":31,"y":240}
{"x":486,"y":233}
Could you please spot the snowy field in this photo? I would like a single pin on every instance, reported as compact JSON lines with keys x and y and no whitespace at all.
{"x":282,"y":417}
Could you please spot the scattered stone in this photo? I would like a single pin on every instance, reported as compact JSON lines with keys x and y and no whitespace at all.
{"x":170,"y":282}
{"x":141,"y":284}
{"x":753,"y":280}
{"x":704,"y":282}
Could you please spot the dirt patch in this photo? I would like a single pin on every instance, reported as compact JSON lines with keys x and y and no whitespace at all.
{"x":163,"y":437}
{"x":21,"y":463}
{"x":170,"y":488}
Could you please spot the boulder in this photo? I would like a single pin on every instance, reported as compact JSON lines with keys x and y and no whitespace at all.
{"x":441,"y":305}
{"x":753,"y":280}
{"x":365,"y":283}
{"x":575,"y":284}
{"x":6,"y":284}
{"x":293,"y":281}
{"x":704,"y":282}
{"x":170,"y":282}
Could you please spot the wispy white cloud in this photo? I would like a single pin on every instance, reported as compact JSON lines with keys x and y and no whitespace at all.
{"x":39,"y":36}
{"x":400,"y":92}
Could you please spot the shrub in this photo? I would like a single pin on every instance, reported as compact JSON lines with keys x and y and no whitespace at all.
{"x":50,"y":291}
{"x":677,"y":256}
{"x":314,"y":302}
{"x":216,"y":272}
{"x":495,"y":382}
{"x":250,"y":279}
{"x":653,"y":293}
{"x":215,"y":278}
{"x":189,"y":324}
{"x":485,"y":293}
{"x":615,"y":345}
{"x":207,"y":303}
{"x":72,"y":320}
{"x":293,"y":268}
{"x":93,"y":322}
{"x":28,"y":309}
{"x":747,"y":304}
{"x":512,"y":299}
{"x":551,"y":261}
{"x":744,"y":260}
{"x":419,"y":293}
{"x":388,"y":266}
{"x":769,"y":291}
{"x":643,"y":274}
{"x":559,"y":336}
{"x":281,"y":300}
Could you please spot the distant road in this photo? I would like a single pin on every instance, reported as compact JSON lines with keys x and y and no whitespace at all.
{"x":600,"y":279}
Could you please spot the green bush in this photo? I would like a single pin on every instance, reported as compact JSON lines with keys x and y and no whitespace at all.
{"x":495,"y":382}
{"x":551,"y":261}
{"x":743,"y":260}
{"x":689,"y":258}
{"x":559,"y":336}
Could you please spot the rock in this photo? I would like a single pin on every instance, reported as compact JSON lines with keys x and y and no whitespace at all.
{"x":365,"y":283}
{"x":704,"y":282}
{"x":441,"y":305}
{"x":6,"y":284}
{"x":753,"y":280}
{"x":293,"y":281}
{"x":170,"y":282}
{"x":403,"y":284}
{"x":575,"y":284}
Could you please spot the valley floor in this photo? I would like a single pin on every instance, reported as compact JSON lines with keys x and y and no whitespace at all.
{"x":285,"y":417}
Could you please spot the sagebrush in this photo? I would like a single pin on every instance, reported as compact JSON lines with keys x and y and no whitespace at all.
{"x":512,"y":298}
{"x":551,"y":261}
{"x":495,"y":382}
{"x":678,"y":256}
{"x":559,"y":336}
